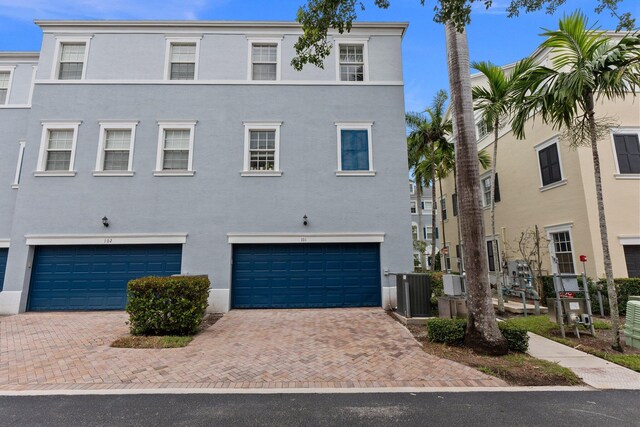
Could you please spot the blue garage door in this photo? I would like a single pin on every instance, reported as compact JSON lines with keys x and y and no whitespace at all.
{"x":95,"y":277}
{"x":306,"y":276}
{"x":3,"y":264}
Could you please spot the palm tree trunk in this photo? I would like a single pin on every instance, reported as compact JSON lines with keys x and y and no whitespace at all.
{"x":482,"y":332}
{"x":444,"y":234}
{"x":604,"y":235}
{"x":460,"y":243}
{"x":423,"y":261}
{"x":434,"y":209}
{"x":494,"y":245}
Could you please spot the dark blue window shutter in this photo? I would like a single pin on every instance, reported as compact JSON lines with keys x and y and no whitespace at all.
{"x":355,"y":150}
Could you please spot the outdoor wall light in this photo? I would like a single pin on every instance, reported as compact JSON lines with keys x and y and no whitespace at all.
{"x":305,"y":220}
{"x":105,"y":221}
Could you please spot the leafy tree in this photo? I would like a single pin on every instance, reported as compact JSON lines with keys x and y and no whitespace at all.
{"x":496,"y":103}
{"x":587,"y":66}
{"x":318,"y":16}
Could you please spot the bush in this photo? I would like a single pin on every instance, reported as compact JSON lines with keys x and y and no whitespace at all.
{"x":448,"y":331}
{"x":437,"y":287}
{"x":167,"y":305}
{"x":452,"y":331}
{"x":516,"y":337}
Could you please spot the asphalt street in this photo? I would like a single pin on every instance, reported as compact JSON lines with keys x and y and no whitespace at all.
{"x":584,"y":408}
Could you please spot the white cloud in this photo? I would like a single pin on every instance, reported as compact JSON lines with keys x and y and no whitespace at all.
{"x":497,"y":8}
{"x":105,"y":9}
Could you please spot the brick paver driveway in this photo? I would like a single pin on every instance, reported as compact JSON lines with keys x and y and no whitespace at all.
{"x":245,"y":349}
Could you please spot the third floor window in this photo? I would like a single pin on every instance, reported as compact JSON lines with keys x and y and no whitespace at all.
{"x":72,"y":57}
{"x":183,"y":61}
{"x":351,"y":62}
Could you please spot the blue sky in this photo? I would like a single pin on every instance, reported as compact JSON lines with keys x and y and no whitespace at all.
{"x":492,"y":36}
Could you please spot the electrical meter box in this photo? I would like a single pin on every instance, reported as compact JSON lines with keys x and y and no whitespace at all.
{"x":453,"y":285}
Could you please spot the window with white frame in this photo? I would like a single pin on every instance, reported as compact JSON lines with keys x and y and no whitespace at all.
{"x":414,"y":207}
{"x":412,"y":188}
{"x":428,"y":232}
{"x":262,"y":149}
{"x":175,"y":148}
{"x":443,"y":207}
{"x":627,"y":151}
{"x":115,"y":148}
{"x":57,"y":148}
{"x":264,"y":61}
{"x":5,"y":78}
{"x":563,"y":251}
{"x":72,"y":57}
{"x":427,"y":205}
{"x":484,"y":128}
{"x":352,"y":62}
{"x":549,"y":162}
{"x":182,"y":60}
{"x":486,"y":191}
{"x":414,"y":231}
{"x":355,"y":155}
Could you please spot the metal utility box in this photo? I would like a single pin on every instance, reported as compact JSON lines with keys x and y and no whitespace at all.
{"x":577,"y":306}
{"x":413,"y":292}
{"x":453,"y":285}
{"x":452,"y":307}
{"x":632,"y":323}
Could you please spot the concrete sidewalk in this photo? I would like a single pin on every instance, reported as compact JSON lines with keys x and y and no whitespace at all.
{"x":594,"y":371}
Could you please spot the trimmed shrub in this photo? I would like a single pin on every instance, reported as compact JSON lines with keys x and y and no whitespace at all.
{"x":167,"y":305}
{"x":447,"y":331}
{"x":516,"y":337}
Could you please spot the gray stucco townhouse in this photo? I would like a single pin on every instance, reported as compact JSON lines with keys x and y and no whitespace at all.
{"x":133,"y":148}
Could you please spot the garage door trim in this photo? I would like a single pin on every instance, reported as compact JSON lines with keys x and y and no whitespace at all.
{"x":275,"y":238}
{"x":106,"y":239}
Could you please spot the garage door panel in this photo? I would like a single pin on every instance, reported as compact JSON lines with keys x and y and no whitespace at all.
{"x":95,"y":277}
{"x":306,"y":275}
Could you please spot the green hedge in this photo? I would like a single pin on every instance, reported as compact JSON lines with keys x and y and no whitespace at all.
{"x":626,"y":287}
{"x":167,"y":305}
{"x":517,"y":337}
{"x":448,"y":331}
{"x":452,"y":331}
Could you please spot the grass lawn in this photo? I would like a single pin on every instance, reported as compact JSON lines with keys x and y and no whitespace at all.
{"x":151,"y":342}
{"x":599,"y":346}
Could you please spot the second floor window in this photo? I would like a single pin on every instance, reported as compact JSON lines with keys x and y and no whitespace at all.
{"x":443,"y":207}
{"x":484,"y":129}
{"x":264,"y":61}
{"x":183,"y":61}
{"x":354,"y":149}
{"x":627,"y":152}
{"x":352,"y":62}
{"x":550,"y":170}
{"x":4,"y":86}
{"x":71,"y":61}
{"x":59,"y":150}
{"x":454,"y":203}
{"x":414,"y":207}
{"x":175,"y":149}
{"x":262,"y":150}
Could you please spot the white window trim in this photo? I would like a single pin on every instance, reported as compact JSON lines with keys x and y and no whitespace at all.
{"x":44,"y":141}
{"x":174,"y":125}
{"x":412,"y":190}
{"x":496,"y":241}
{"x":269,"y":126}
{"x":622,"y":131}
{"x":549,"y":142}
{"x":55,"y":69}
{"x":266,"y":40}
{"x":414,"y":225}
{"x":625,"y":240}
{"x":10,"y":69}
{"x":5,"y":243}
{"x":115,"y":125}
{"x":414,"y":205}
{"x":368,"y":126}
{"x":167,"y":54}
{"x":16,"y":178}
{"x":559,"y":228}
{"x":34,"y":73}
{"x":365,"y":55}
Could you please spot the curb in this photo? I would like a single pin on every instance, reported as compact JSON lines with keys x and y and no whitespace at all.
{"x":412,"y":390}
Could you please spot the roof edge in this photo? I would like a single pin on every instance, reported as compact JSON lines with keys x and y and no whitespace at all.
{"x":19,"y":54}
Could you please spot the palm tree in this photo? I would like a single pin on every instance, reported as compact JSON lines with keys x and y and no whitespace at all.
{"x":432,"y":129}
{"x":482,"y":332}
{"x":417,"y":144}
{"x":495,"y":102}
{"x":587,"y":66}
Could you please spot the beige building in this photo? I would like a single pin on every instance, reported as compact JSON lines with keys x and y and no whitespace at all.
{"x":543,"y":181}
